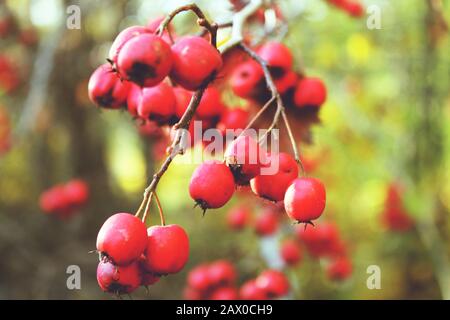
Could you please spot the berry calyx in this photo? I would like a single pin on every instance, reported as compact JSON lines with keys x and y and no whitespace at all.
{"x":122,"y":238}
{"x":305,"y":199}
{"x":118,"y":279}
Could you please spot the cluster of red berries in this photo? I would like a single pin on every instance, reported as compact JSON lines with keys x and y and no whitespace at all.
{"x":217,"y":281}
{"x":63,"y":200}
{"x":353,"y":7}
{"x":132,"y":255}
{"x":395,"y":217}
{"x":324,"y":241}
{"x":213,"y":183}
{"x":5,"y":131}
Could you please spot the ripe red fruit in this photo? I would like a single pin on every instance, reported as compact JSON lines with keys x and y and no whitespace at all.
{"x":167,"y":250}
{"x":310,"y":92}
{"x":233,"y":119}
{"x":145,"y":59}
{"x":225,"y":293}
{"x":211,"y":185}
{"x":246,"y":78}
{"x":133,"y":99}
{"x":238,"y":217}
{"x":211,"y":105}
{"x":222,"y":273}
{"x":157,"y":103}
{"x":395,"y":217}
{"x":287,"y":81}
{"x":250,"y":291}
{"x":320,"y":240}
{"x":340,"y":269}
{"x":245,"y":158}
{"x":291,"y":252}
{"x":273,"y":282}
{"x":194,"y":60}
{"x":276,"y":55}
{"x":106,"y":89}
{"x":198,"y":278}
{"x":183,"y":97}
{"x":273,"y":187}
{"x":122,"y":238}
{"x":54,"y":200}
{"x":118,"y":279}
{"x":305,"y":199}
{"x":77,"y":192}
{"x":266,"y":223}
{"x":123,"y":37}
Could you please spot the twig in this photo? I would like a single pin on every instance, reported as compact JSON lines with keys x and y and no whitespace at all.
{"x":147,"y":208}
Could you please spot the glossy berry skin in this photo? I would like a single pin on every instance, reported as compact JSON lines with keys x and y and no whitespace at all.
{"x":305,"y":199}
{"x":340,"y":269}
{"x":291,"y":252}
{"x":123,"y":37}
{"x":276,"y":55}
{"x":77,"y":191}
{"x":118,"y":279}
{"x":167,"y":249}
{"x":266,"y":223}
{"x":251,"y":291}
{"x":224,"y":293}
{"x":133,"y":99}
{"x":157,"y":103}
{"x":199,"y":279}
{"x":211,"y":185}
{"x":233,"y":119}
{"x":246,"y":78}
{"x":245,"y":158}
{"x":273,"y":282}
{"x":238,"y":218}
{"x":122,"y":238}
{"x":310,"y":92}
{"x":273,"y":187}
{"x":222,"y":273}
{"x":145,"y":60}
{"x":106,"y":90}
{"x":194,"y":60}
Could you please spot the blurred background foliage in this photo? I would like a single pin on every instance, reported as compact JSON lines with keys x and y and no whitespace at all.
{"x":386,"y":120}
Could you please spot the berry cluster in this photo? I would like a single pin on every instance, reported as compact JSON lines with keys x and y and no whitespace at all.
{"x":63,"y":200}
{"x":353,"y":7}
{"x":217,"y":281}
{"x":395,"y":217}
{"x":132,"y":255}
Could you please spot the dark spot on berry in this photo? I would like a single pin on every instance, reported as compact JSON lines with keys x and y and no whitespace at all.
{"x":140,"y":72}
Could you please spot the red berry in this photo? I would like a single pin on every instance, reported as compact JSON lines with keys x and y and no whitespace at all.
{"x":222,"y":273}
{"x":225,"y":293}
{"x":320,"y":240}
{"x":245,"y":158}
{"x":211,"y":185}
{"x":291,"y":252}
{"x":123,"y":37}
{"x":354,"y":9}
{"x":133,"y":99}
{"x":238,"y":217}
{"x":77,"y":192}
{"x":266,"y":223}
{"x":106,"y":89}
{"x":233,"y":119}
{"x":250,"y":291}
{"x":194,"y":60}
{"x":395,"y":217}
{"x":287,"y":81}
{"x":276,"y":55}
{"x":273,"y":187}
{"x":183,"y":98}
{"x":340,"y":269}
{"x":246,"y":78}
{"x":123,"y":238}
{"x":310,"y":92}
{"x":145,"y":59}
{"x":211,"y":105}
{"x":198,"y":278}
{"x":118,"y":279}
{"x":157,"y":103}
{"x":305,"y":199}
{"x":167,"y":250}
{"x":54,"y":200}
{"x":273,"y":282}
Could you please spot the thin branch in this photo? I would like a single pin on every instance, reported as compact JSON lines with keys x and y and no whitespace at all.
{"x":147,"y":208}
{"x":161,"y":213}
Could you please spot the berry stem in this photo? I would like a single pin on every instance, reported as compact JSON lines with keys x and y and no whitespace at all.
{"x":161,"y":212}
{"x":147,"y":208}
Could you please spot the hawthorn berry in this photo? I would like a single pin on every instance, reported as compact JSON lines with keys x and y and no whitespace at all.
{"x":54,"y":200}
{"x":273,"y":282}
{"x":321,"y":240}
{"x":291,"y":252}
{"x":211,"y":185}
{"x":106,"y":89}
{"x":246,"y":79}
{"x":395,"y":217}
{"x":233,"y":119}
{"x":194,"y":61}
{"x":118,"y":279}
{"x":238,"y":217}
{"x":145,"y":60}
{"x":199,"y":278}
{"x":222,"y":273}
{"x":251,"y":291}
{"x":167,"y":249}
{"x":266,"y":223}
{"x":122,"y":238}
{"x":287,"y":81}
{"x":305,"y":199}
{"x":77,"y":192}
{"x":157,"y":103}
{"x":183,"y":98}
{"x":224,"y":293}
{"x":123,"y":37}
{"x":310,"y":92}
{"x":211,"y":105}
{"x":245,"y":158}
{"x":340,"y":269}
{"x":276,"y":55}
{"x":273,"y":187}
